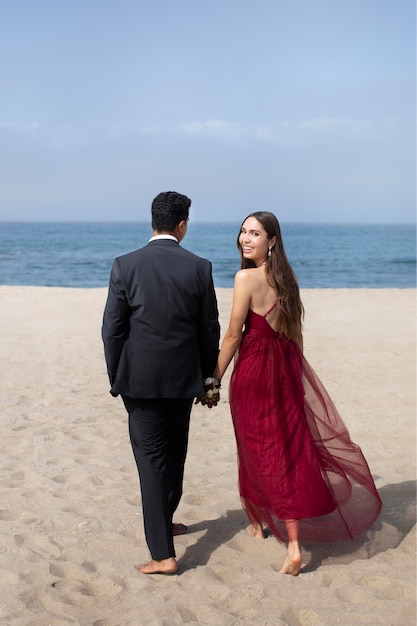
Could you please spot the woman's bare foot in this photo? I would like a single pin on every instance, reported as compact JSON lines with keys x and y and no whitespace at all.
{"x":292,"y":563}
{"x":165,"y":566}
{"x":255,"y":530}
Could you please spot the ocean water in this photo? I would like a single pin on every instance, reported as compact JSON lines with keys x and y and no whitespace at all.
{"x":322,"y":255}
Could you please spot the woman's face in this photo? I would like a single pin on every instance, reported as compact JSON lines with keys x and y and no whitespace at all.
{"x":253,"y":240}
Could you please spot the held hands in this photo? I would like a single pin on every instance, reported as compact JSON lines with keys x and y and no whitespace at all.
{"x":208,"y":401}
{"x":212,"y":392}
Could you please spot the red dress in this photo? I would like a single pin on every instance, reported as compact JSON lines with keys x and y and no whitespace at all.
{"x":296,"y":458}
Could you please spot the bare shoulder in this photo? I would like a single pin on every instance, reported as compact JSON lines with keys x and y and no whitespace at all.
{"x":246,"y":276}
{"x":243,"y":287}
{"x":253,"y":278}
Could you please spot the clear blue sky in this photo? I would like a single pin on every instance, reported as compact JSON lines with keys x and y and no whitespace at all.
{"x":302,"y":107}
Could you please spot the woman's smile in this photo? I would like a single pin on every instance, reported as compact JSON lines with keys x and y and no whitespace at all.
{"x":253,"y":240}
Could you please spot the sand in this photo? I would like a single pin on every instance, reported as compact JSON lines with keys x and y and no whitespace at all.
{"x":70,"y":514}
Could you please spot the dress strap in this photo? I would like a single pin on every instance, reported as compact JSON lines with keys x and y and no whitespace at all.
{"x":271,"y":309}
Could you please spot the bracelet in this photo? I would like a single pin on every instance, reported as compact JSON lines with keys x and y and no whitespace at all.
{"x":212,"y":386}
{"x":211,"y":383}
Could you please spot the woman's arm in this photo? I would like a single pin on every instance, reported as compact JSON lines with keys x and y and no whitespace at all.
{"x":233,"y":336}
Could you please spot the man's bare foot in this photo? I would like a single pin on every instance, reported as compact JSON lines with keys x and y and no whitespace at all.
{"x":178,"y":529}
{"x":165,"y":566}
{"x":256,"y":530}
{"x":292,"y":563}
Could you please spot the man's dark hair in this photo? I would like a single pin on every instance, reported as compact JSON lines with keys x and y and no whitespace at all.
{"x":168,"y":209}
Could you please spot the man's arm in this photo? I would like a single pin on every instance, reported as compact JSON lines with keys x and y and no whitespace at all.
{"x":115,"y":321}
{"x":209,"y":329}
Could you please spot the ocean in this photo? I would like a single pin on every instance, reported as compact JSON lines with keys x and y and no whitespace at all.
{"x":322,"y":255}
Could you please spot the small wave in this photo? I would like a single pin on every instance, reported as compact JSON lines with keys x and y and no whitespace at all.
{"x":409,"y":261}
{"x":9,"y":254}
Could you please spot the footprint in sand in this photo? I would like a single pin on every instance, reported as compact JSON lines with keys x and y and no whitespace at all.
{"x":82,"y":585}
{"x":38,"y":545}
{"x":60,"y":478}
{"x":9,"y":516}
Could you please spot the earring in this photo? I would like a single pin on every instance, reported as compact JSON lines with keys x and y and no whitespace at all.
{"x":269,"y":252}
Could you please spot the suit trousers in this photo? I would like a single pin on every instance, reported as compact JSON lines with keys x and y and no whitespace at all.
{"x":158,"y":431}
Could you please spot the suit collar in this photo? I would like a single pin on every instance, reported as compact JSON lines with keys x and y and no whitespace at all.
{"x":163,"y":242}
{"x":158,"y":237}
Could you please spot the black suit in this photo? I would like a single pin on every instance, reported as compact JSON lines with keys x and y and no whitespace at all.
{"x":161,"y":338}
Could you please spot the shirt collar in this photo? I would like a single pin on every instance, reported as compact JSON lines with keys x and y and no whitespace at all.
{"x":155,"y":237}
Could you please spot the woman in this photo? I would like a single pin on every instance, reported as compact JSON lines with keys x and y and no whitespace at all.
{"x":299,"y":472}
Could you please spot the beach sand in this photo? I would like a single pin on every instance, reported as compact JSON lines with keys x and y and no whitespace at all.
{"x":70,"y":514}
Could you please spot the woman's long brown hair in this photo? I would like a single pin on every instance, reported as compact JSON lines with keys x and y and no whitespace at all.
{"x":280,"y":275}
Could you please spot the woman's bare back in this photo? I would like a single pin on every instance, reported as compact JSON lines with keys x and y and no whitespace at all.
{"x":264,"y":298}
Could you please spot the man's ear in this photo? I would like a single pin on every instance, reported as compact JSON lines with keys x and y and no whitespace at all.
{"x":182,"y":229}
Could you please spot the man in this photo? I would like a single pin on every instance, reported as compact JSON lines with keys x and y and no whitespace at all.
{"x":161,"y":339}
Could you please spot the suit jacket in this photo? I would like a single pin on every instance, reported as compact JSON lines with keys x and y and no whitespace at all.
{"x":160,"y":325}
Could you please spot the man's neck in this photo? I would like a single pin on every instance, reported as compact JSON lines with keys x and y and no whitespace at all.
{"x":159,"y":233}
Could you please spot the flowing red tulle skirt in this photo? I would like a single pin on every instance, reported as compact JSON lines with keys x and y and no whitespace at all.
{"x":296,"y":458}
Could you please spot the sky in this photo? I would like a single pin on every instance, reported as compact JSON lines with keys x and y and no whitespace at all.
{"x":301,"y":107}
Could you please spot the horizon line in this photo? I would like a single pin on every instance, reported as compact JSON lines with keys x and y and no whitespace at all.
{"x":211,"y":222}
